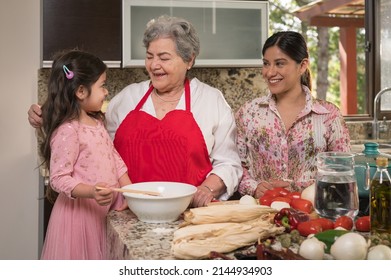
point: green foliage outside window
(281, 18)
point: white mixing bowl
(173, 201)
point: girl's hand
(263, 186)
(103, 194)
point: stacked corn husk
(222, 228)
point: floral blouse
(269, 151)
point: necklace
(164, 100)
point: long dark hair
(62, 103)
(294, 45)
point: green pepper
(328, 237)
(290, 218)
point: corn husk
(197, 241)
(235, 213)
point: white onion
(312, 249)
(379, 252)
(350, 246)
(309, 193)
(247, 199)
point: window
(364, 52)
(340, 53)
(379, 53)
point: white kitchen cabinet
(231, 33)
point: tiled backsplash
(237, 84)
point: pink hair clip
(68, 73)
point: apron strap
(187, 96)
(145, 97)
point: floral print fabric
(268, 151)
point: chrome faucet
(375, 124)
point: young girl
(82, 161)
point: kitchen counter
(128, 238)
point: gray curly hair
(179, 30)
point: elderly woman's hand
(202, 197)
(35, 116)
(263, 186)
(210, 189)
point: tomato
(281, 191)
(282, 198)
(271, 193)
(266, 200)
(301, 204)
(309, 227)
(345, 222)
(293, 195)
(363, 223)
(326, 224)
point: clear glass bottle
(380, 208)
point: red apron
(171, 149)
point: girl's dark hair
(292, 44)
(62, 103)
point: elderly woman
(170, 128)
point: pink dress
(77, 227)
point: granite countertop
(129, 238)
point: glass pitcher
(336, 192)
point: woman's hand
(210, 189)
(202, 197)
(263, 186)
(35, 116)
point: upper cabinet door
(89, 25)
(231, 32)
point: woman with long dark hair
(279, 135)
